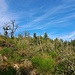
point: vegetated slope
(36, 56)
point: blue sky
(56, 17)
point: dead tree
(6, 28)
(13, 28)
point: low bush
(7, 70)
(66, 67)
(14, 58)
(6, 51)
(43, 64)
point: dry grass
(1, 48)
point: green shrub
(43, 64)
(7, 71)
(14, 57)
(1, 43)
(6, 51)
(53, 54)
(66, 67)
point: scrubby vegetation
(37, 55)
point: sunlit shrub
(43, 64)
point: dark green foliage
(45, 35)
(34, 36)
(66, 67)
(24, 71)
(26, 34)
(73, 42)
(7, 71)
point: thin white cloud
(44, 16)
(69, 36)
(53, 13)
(55, 10)
(64, 19)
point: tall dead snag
(13, 28)
(10, 28)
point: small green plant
(43, 64)
(6, 51)
(14, 58)
(53, 54)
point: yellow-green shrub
(43, 64)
